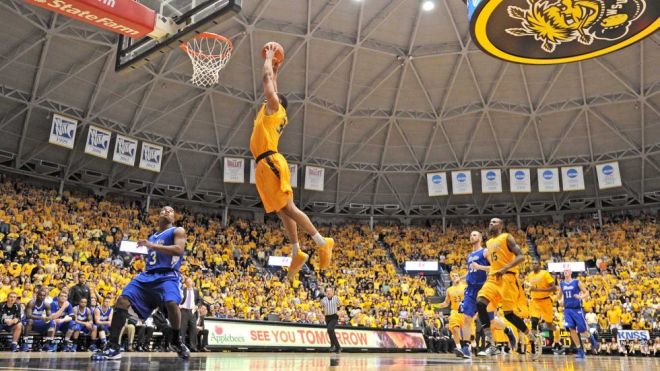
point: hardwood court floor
(318, 361)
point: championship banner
(253, 171)
(520, 180)
(461, 182)
(234, 170)
(548, 179)
(293, 169)
(562, 266)
(430, 266)
(625, 335)
(248, 334)
(491, 181)
(63, 131)
(151, 157)
(314, 178)
(608, 175)
(572, 178)
(125, 150)
(437, 184)
(98, 142)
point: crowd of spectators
(70, 243)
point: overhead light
(428, 5)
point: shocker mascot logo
(560, 31)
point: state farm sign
(126, 17)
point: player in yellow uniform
(272, 173)
(453, 299)
(502, 286)
(541, 287)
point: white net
(209, 54)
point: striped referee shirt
(330, 306)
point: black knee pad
(516, 321)
(482, 309)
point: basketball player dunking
(272, 172)
(158, 286)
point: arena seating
(49, 240)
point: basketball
(279, 52)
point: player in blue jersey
(82, 321)
(62, 313)
(477, 274)
(573, 292)
(159, 286)
(102, 321)
(38, 319)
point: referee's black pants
(331, 322)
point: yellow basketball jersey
(455, 294)
(540, 280)
(267, 130)
(499, 252)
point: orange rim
(208, 35)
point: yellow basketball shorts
(542, 309)
(456, 320)
(504, 291)
(273, 179)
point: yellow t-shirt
(540, 280)
(499, 253)
(455, 294)
(267, 130)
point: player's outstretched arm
(175, 250)
(270, 82)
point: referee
(330, 304)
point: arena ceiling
(381, 92)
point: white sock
(294, 249)
(318, 239)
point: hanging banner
(437, 184)
(234, 170)
(608, 175)
(151, 157)
(491, 181)
(520, 180)
(314, 178)
(572, 178)
(125, 150)
(548, 179)
(560, 267)
(63, 131)
(461, 182)
(98, 142)
(293, 169)
(253, 171)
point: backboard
(191, 18)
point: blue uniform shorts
(149, 291)
(81, 328)
(65, 326)
(469, 304)
(574, 319)
(41, 326)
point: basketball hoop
(209, 54)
